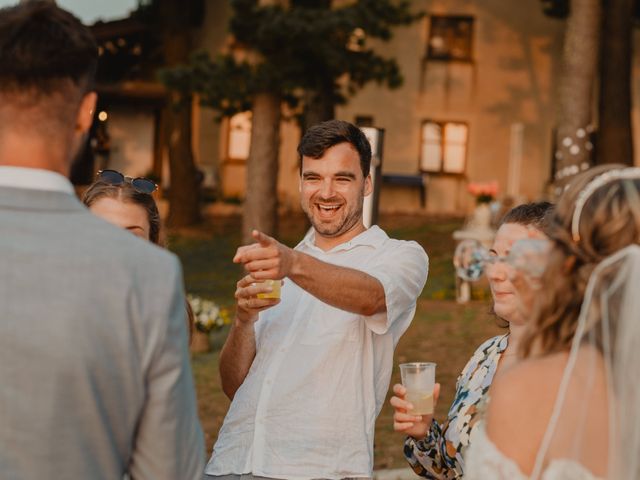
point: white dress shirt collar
(372, 237)
(34, 179)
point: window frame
(443, 124)
(429, 54)
(227, 153)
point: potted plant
(207, 316)
(484, 193)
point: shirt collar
(372, 237)
(34, 179)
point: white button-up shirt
(308, 405)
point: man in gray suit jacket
(95, 381)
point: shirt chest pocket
(328, 324)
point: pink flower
(483, 191)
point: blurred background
(198, 94)
(472, 106)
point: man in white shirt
(307, 375)
(95, 381)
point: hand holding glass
(275, 288)
(419, 380)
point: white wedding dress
(484, 461)
(607, 336)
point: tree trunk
(615, 144)
(184, 207)
(580, 61)
(318, 107)
(261, 201)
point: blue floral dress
(439, 454)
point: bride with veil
(570, 409)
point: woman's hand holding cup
(404, 421)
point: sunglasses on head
(140, 184)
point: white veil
(596, 418)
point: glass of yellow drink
(275, 286)
(419, 380)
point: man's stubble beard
(350, 221)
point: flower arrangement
(485, 192)
(207, 315)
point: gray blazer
(95, 378)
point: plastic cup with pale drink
(275, 288)
(419, 379)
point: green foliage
(222, 83)
(308, 46)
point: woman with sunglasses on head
(125, 202)
(436, 450)
(571, 408)
(128, 203)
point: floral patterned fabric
(439, 454)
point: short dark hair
(42, 47)
(536, 214)
(319, 138)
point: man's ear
(84, 119)
(368, 185)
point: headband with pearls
(592, 186)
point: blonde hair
(609, 221)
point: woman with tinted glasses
(435, 450)
(570, 409)
(128, 203)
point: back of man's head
(48, 61)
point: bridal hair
(602, 205)
(595, 184)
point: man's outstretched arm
(340, 287)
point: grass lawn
(442, 331)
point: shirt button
(268, 382)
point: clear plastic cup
(419, 378)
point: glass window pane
(431, 160)
(454, 158)
(239, 136)
(456, 133)
(431, 132)
(450, 38)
